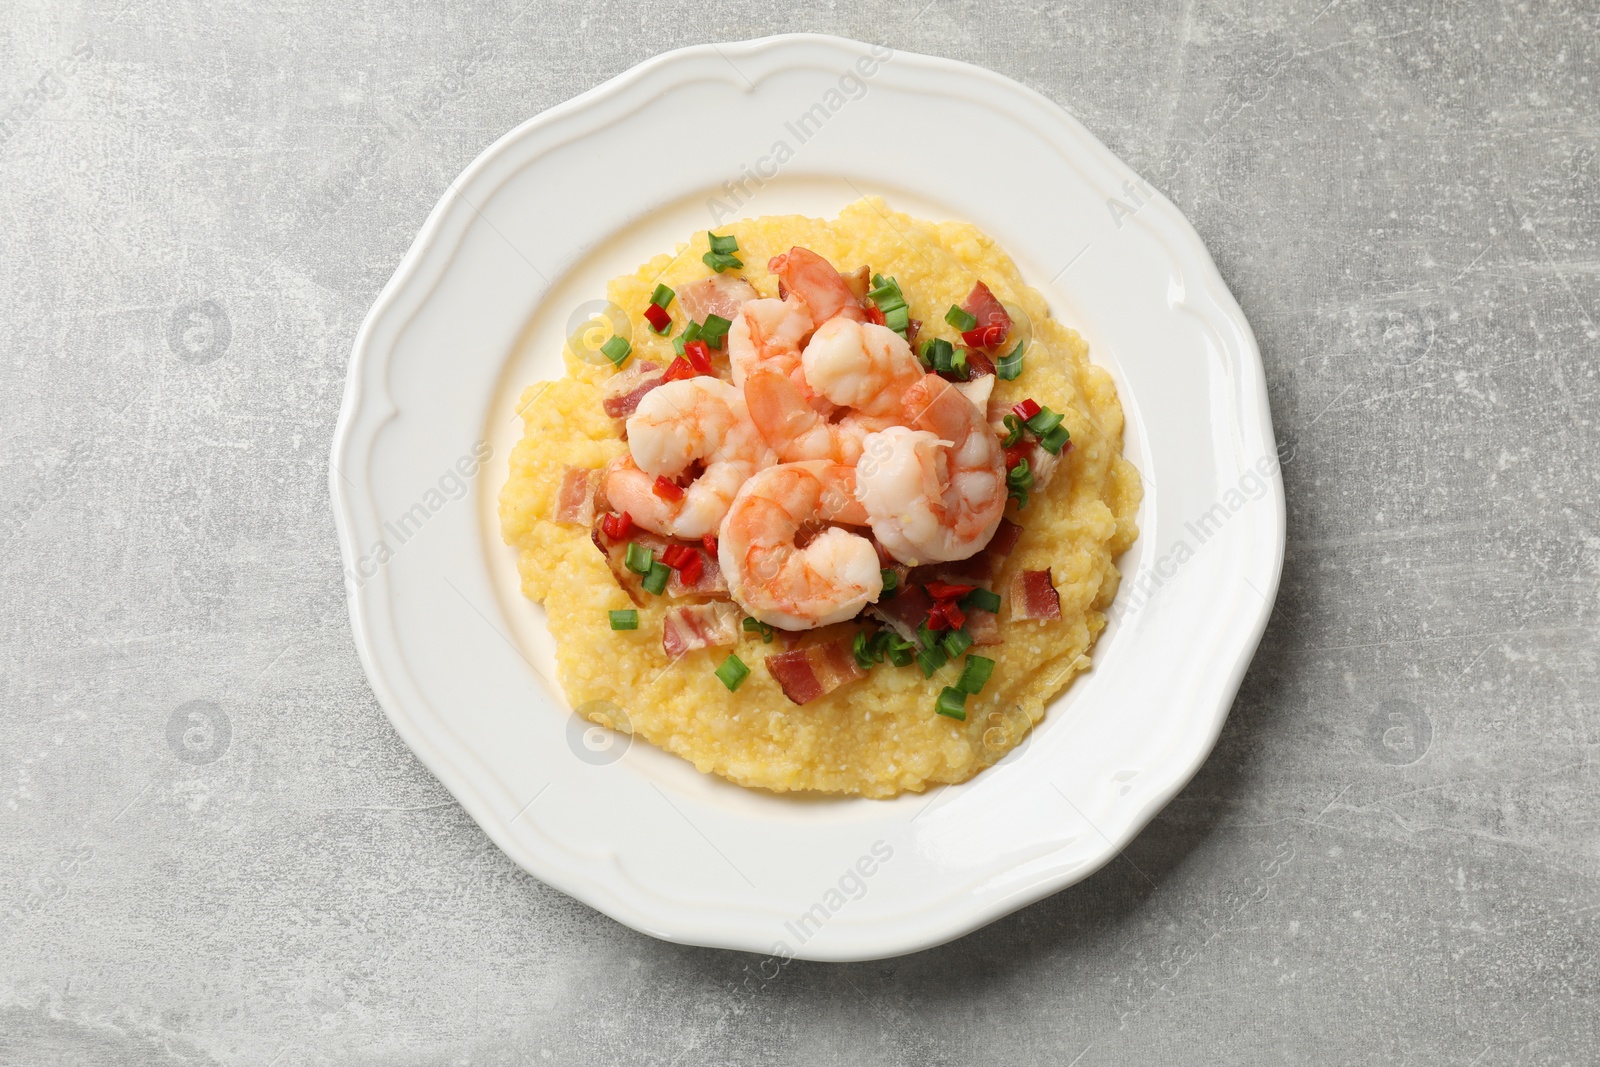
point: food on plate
(839, 510)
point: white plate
(478, 308)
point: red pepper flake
(658, 317)
(946, 615)
(679, 370)
(699, 356)
(947, 591)
(875, 315)
(692, 569)
(1027, 409)
(675, 555)
(617, 527)
(710, 541)
(667, 489)
(1017, 453)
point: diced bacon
(575, 500)
(699, 626)
(705, 580)
(982, 305)
(1034, 597)
(860, 281)
(624, 390)
(721, 294)
(1043, 464)
(616, 553)
(983, 627)
(905, 611)
(1004, 539)
(978, 364)
(978, 390)
(912, 329)
(808, 673)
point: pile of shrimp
(830, 429)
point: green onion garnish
(1019, 480)
(1055, 440)
(624, 620)
(732, 673)
(661, 297)
(930, 659)
(1044, 422)
(898, 320)
(756, 626)
(1010, 365)
(891, 582)
(656, 581)
(721, 263)
(616, 349)
(722, 245)
(981, 600)
(862, 647)
(953, 703)
(690, 333)
(956, 642)
(639, 558)
(975, 675)
(958, 363)
(714, 329)
(885, 293)
(961, 320)
(937, 353)
(901, 652)
(1013, 431)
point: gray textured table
(214, 848)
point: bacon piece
(913, 328)
(1004, 539)
(575, 500)
(624, 390)
(983, 627)
(860, 281)
(808, 673)
(1034, 597)
(1043, 463)
(905, 611)
(978, 364)
(699, 626)
(721, 294)
(993, 322)
(706, 581)
(978, 390)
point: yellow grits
(880, 735)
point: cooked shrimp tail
(815, 281)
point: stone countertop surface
(215, 850)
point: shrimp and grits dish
(839, 510)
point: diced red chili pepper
(699, 356)
(874, 314)
(1027, 409)
(1017, 453)
(679, 370)
(936, 619)
(948, 590)
(710, 542)
(675, 555)
(667, 489)
(946, 615)
(692, 568)
(658, 317)
(984, 336)
(617, 527)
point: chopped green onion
(720, 263)
(953, 703)
(722, 245)
(616, 349)
(690, 333)
(661, 297)
(1010, 365)
(1013, 431)
(1054, 441)
(1044, 422)
(891, 582)
(975, 675)
(885, 293)
(656, 581)
(961, 320)
(624, 620)
(931, 659)
(638, 558)
(937, 353)
(958, 363)
(756, 626)
(1019, 480)
(732, 673)
(981, 600)
(863, 651)
(898, 320)
(714, 329)
(901, 652)
(956, 642)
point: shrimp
(774, 579)
(768, 333)
(795, 429)
(815, 281)
(696, 420)
(934, 489)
